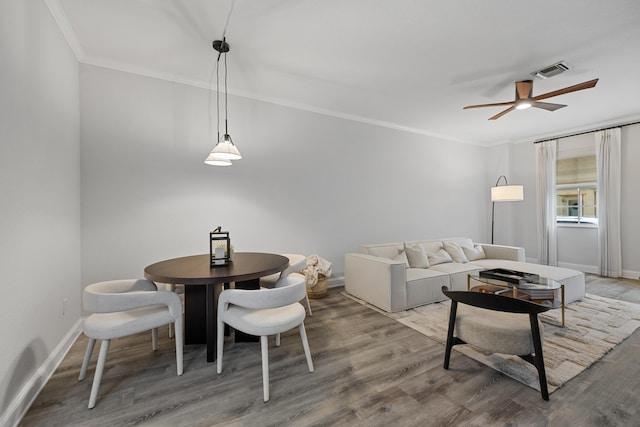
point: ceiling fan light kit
(522, 104)
(525, 99)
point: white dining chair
(125, 307)
(264, 312)
(297, 263)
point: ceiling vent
(552, 70)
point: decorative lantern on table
(219, 247)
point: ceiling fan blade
(497, 116)
(579, 86)
(524, 89)
(547, 105)
(498, 104)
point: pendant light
(225, 150)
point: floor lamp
(504, 193)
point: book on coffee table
(501, 290)
(510, 276)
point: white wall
(578, 248)
(40, 193)
(308, 183)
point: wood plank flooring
(370, 371)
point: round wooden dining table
(203, 284)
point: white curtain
(608, 175)
(546, 202)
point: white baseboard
(335, 282)
(24, 399)
(593, 269)
(631, 274)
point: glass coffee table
(540, 290)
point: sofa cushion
(416, 255)
(456, 267)
(458, 273)
(431, 246)
(474, 253)
(461, 241)
(440, 257)
(417, 274)
(455, 251)
(424, 286)
(402, 257)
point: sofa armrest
(512, 253)
(378, 281)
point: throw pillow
(431, 246)
(456, 252)
(416, 256)
(440, 257)
(474, 253)
(402, 257)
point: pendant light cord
(213, 72)
(216, 70)
(224, 37)
(224, 33)
(226, 131)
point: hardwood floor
(369, 371)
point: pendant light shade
(225, 149)
(213, 160)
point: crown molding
(65, 27)
(155, 74)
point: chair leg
(308, 304)
(87, 359)
(179, 349)
(102, 358)
(171, 288)
(538, 359)
(264, 347)
(450, 338)
(305, 344)
(154, 339)
(278, 340)
(220, 344)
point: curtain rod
(585, 132)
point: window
(576, 190)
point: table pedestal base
(200, 309)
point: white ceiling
(408, 64)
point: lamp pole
(493, 204)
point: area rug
(593, 327)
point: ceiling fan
(524, 90)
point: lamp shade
(225, 149)
(507, 193)
(213, 160)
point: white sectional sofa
(383, 274)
